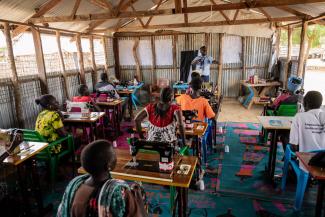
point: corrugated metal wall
(257, 55)
(256, 58)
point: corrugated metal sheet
(231, 76)
(257, 54)
(168, 73)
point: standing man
(203, 62)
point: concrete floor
(233, 111)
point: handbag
(318, 160)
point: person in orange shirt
(194, 101)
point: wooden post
(277, 43)
(301, 59)
(243, 56)
(64, 73)
(81, 60)
(40, 60)
(286, 70)
(153, 68)
(104, 42)
(93, 62)
(14, 79)
(136, 58)
(220, 64)
(175, 38)
(116, 57)
(206, 42)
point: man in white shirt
(203, 62)
(308, 128)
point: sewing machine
(10, 139)
(189, 115)
(165, 150)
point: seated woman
(49, 121)
(97, 194)
(84, 96)
(194, 101)
(163, 118)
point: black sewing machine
(189, 115)
(165, 150)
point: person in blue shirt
(202, 63)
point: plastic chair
(46, 155)
(302, 176)
(284, 110)
(135, 99)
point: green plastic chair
(46, 155)
(284, 110)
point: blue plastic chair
(135, 99)
(302, 176)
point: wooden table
(115, 106)
(27, 151)
(128, 93)
(284, 124)
(256, 91)
(25, 158)
(181, 182)
(318, 174)
(197, 134)
(84, 122)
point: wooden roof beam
(185, 14)
(95, 24)
(294, 12)
(40, 12)
(178, 6)
(156, 8)
(105, 4)
(138, 18)
(265, 13)
(221, 12)
(200, 24)
(197, 9)
(75, 8)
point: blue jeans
(205, 78)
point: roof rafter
(138, 18)
(156, 8)
(221, 12)
(185, 14)
(105, 4)
(197, 9)
(40, 12)
(95, 24)
(265, 13)
(75, 8)
(200, 24)
(294, 12)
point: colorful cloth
(81, 99)
(200, 104)
(110, 200)
(162, 128)
(47, 123)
